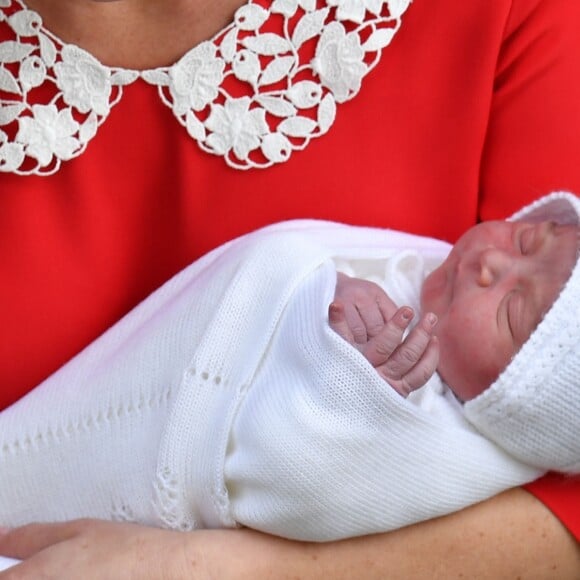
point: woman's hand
(509, 536)
(95, 549)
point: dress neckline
(259, 90)
(38, 20)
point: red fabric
(560, 494)
(473, 111)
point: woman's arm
(510, 536)
(561, 494)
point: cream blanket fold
(225, 399)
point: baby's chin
(464, 385)
(461, 392)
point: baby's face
(491, 292)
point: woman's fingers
(95, 549)
(27, 540)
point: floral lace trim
(53, 96)
(258, 91)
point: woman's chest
(148, 193)
(135, 34)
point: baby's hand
(366, 308)
(405, 364)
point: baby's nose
(485, 276)
(493, 263)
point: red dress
(472, 111)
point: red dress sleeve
(561, 495)
(533, 137)
(533, 147)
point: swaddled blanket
(225, 399)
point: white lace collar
(249, 95)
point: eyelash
(510, 312)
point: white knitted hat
(533, 409)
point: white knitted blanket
(225, 399)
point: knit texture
(225, 399)
(533, 409)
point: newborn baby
(227, 399)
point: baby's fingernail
(431, 319)
(407, 314)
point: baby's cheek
(461, 362)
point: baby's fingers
(415, 359)
(338, 322)
(382, 346)
(421, 372)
